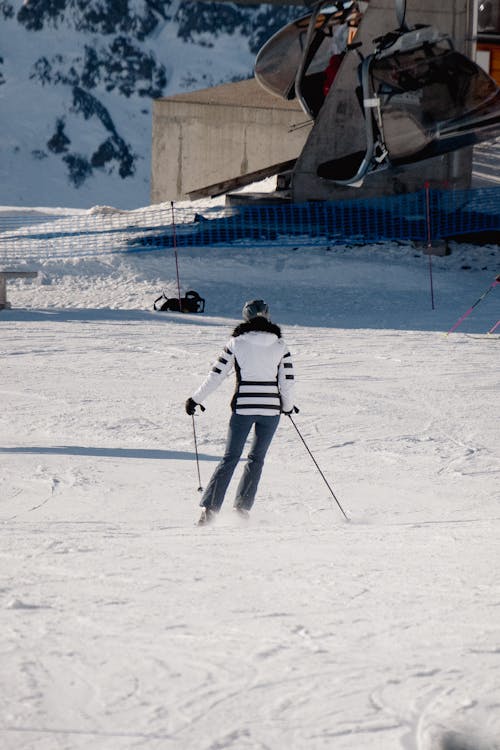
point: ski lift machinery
(291, 63)
(403, 97)
(419, 97)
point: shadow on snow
(82, 450)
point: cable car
(418, 95)
(420, 98)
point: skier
(264, 389)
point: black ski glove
(295, 410)
(191, 406)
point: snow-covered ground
(126, 626)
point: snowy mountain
(77, 79)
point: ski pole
(200, 488)
(494, 327)
(318, 468)
(479, 299)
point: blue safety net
(428, 216)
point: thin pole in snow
(176, 258)
(200, 488)
(429, 239)
(479, 299)
(432, 284)
(317, 466)
(494, 327)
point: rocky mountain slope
(77, 78)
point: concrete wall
(220, 133)
(339, 129)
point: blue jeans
(239, 428)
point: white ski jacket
(263, 367)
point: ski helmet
(255, 308)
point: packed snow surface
(126, 626)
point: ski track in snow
(125, 626)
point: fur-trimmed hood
(258, 323)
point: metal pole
(479, 299)
(316, 464)
(176, 258)
(200, 488)
(429, 239)
(432, 284)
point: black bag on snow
(190, 303)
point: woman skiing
(264, 390)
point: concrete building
(210, 138)
(211, 141)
